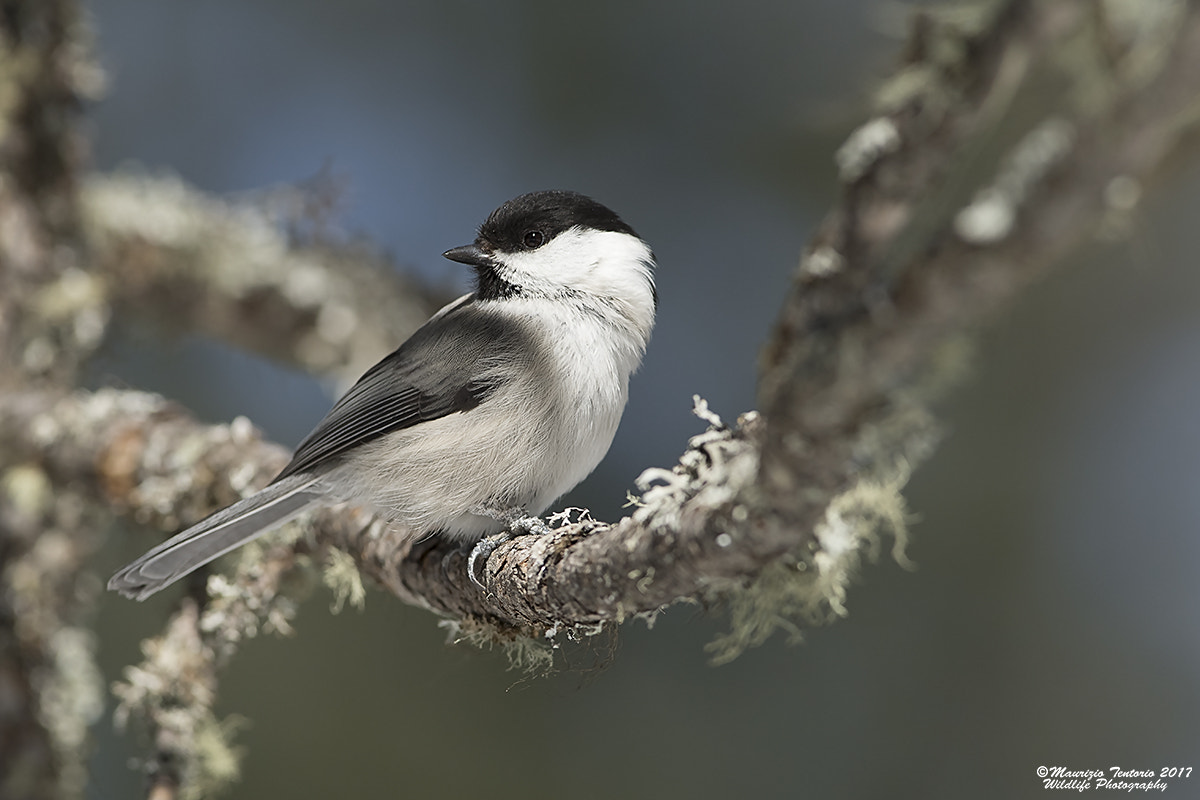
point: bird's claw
(515, 519)
(483, 549)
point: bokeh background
(1052, 615)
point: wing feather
(450, 365)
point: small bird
(499, 404)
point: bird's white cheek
(605, 264)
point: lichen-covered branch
(1011, 133)
(169, 254)
(147, 458)
(50, 689)
(139, 454)
(173, 691)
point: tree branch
(186, 261)
(148, 459)
(1002, 142)
(50, 689)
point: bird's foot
(483, 550)
(515, 518)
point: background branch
(50, 689)
(241, 272)
(966, 186)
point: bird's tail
(215, 536)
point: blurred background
(1052, 615)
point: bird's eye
(533, 239)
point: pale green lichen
(794, 592)
(532, 657)
(71, 696)
(27, 490)
(810, 588)
(215, 762)
(342, 577)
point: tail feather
(214, 536)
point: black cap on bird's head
(527, 223)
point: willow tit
(499, 404)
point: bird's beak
(469, 254)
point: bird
(500, 403)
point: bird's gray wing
(450, 365)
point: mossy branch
(263, 273)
